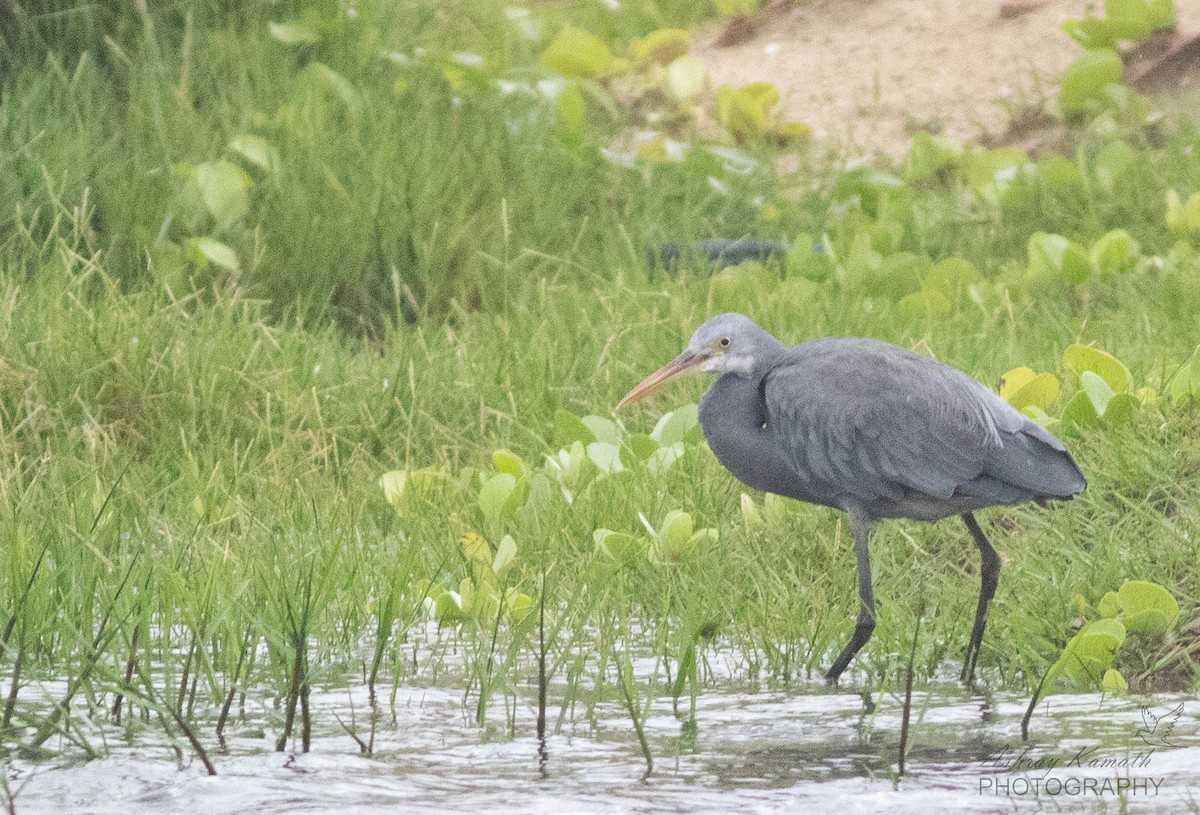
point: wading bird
(870, 429)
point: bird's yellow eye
(724, 342)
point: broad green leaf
(1108, 605)
(1076, 265)
(665, 552)
(572, 110)
(1060, 174)
(257, 150)
(673, 426)
(494, 495)
(1185, 382)
(1079, 413)
(1055, 256)
(619, 546)
(663, 46)
(570, 428)
(448, 607)
(1121, 409)
(1162, 13)
(1090, 32)
(1081, 358)
(952, 277)
(660, 148)
(991, 172)
(749, 111)
(930, 156)
(928, 305)
(790, 134)
(322, 75)
(1098, 391)
(293, 33)
(1129, 20)
(509, 462)
(736, 8)
(1084, 79)
(225, 190)
(1115, 252)
(1183, 218)
(664, 457)
(1090, 652)
(606, 456)
(506, 555)
(685, 79)
(641, 445)
(898, 275)
(750, 514)
(203, 251)
(1113, 163)
(570, 465)
(1014, 380)
(676, 528)
(1040, 391)
(1147, 607)
(604, 430)
(868, 185)
(401, 487)
(1113, 682)
(577, 54)
(476, 549)
(1038, 416)
(519, 604)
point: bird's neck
(733, 415)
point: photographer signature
(1158, 730)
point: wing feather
(873, 423)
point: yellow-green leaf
(662, 46)
(572, 109)
(257, 150)
(203, 251)
(1080, 358)
(1040, 391)
(577, 54)
(506, 554)
(1113, 682)
(293, 33)
(685, 78)
(1014, 380)
(475, 549)
(1147, 607)
(1085, 78)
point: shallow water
(752, 751)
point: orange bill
(687, 362)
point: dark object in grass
(874, 430)
(717, 252)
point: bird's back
(895, 434)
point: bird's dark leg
(989, 576)
(860, 528)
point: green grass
(186, 470)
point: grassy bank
(229, 306)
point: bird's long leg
(860, 528)
(989, 576)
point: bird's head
(724, 344)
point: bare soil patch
(866, 74)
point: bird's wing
(872, 421)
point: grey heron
(871, 429)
